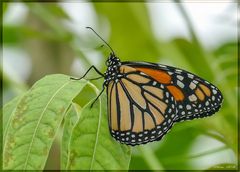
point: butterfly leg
(87, 73)
(97, 97)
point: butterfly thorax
(112, 73)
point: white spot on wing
(192, 98)
(167, 94)
(194, 81)
(214, 91)
(180, 84)
(143, 73)
(192, 85)
(160, 65)
(180, 77)
(207, 103)
(213, 98)
(190, 75)
(188, 107)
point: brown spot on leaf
(71, 159)
(7, 154)
(51, 134)
(62, 110)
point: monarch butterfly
(145, 99)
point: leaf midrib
(98, 129)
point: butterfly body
(112, 73)
(146, 99)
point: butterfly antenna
(101, 39)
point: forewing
(195, 97)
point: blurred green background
(46, 38)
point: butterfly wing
(140, 109)
(195, 97)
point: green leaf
(69, 122)
(46, 14)
(11, 35)
(35, 122)
(134, 15)
(57, 11)
(14, 34)
(150, 157)
(4, 8)
(92, 147)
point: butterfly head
(113, 64)
(113, 60)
